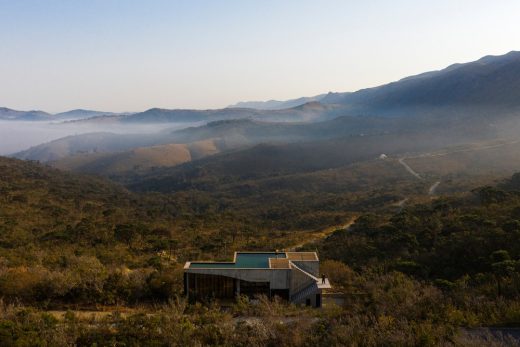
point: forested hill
(471, 242)
(41, 203)
(73, 240)
(46, 208)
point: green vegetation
(68, 239)
(416, 321)
(468, 247)
(73, 247)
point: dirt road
(324, 233)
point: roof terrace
(255, 260)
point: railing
(307, 289)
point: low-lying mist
(16, 136)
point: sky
(129, 55)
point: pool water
(243, 261)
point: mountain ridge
(10, 114)
(276, 104)
(491, 81)
(38, 115)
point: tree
(125, 233)
(502, 266)
(489, 195)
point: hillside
(88, 143)
(237, 133)
(467, 245)
(71, 241)
(15, 115)
(138, 159)
(233, 133)
(9, 114)
(311, 111)
(488, 86)
(471, 102)
(37, 200)
(276, 104)
(64, 213)
(266, 160)
(80, 114)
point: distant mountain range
(311, 111)
(476, 101)
(277, 105)
(82, 114)
(488, 85)
(9, 114)
(234, 133)
(14, 115)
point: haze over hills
(272, 160)
(463, 103)
(81, 114)
(14, 115)
(234, 133)
(276, 104)
(87, 143)
(311, 111)
(9, 114)
(138, 159)
(488, 84)
(319, 155)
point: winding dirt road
(322, 234)
(432, 189)
(409, 169)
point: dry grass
(141, 158)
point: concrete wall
(312, 267)
(292, 279)
(299, 280)
(313, 300)
(278, 278)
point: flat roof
(282, 263)
(243, 260)
(256, 260)
(302, 256)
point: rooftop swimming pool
(243, 261)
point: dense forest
(465, 246)
(84, 261)
(68, 238)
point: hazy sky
(125, 55)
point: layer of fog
(17, 136)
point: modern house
(293, 276)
